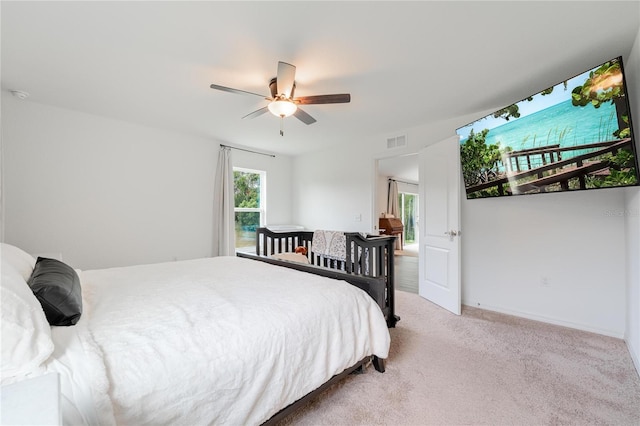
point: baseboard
(547, 320)
(634, 356)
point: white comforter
(222, 340)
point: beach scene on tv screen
(572, 136)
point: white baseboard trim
(549, 320)
(634, 356)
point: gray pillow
(57, 287)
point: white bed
(220, 340)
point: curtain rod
(403, 181)
(248, 150)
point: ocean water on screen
(562, 124)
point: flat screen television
(576, 135)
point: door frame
(375, 214)
(375, 200)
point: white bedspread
(222, 340)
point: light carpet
(484, 368)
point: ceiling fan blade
(256, 113)
(242, 92)
(304, 117)
(286, 77)
(342, 98)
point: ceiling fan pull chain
(282, 125)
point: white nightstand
(33, 401)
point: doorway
(404, 170)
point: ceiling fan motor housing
(273, 88)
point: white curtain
(392, 206)
(392, 199)
(224, 239)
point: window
(250, 204)
(408, 204)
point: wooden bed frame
(290, 409)
(368, 266)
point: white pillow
(26, 334)
(294, 257)
(21, 261)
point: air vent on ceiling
(397, 142)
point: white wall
(632, 217)
(573, 240)
(332, 189)
(109, 193)
(381, 189)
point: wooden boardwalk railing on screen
(562, 171)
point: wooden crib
(369, 262)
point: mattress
(222, 340)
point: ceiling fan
(282, 103)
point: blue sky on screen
(539, 103)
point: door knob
(452, 234)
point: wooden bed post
(390, 276)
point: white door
(439, 263)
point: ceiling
(403, 168)
(405, 64)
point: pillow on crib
(57, 287)
(19, 259)
(294, 257)
(26, 334)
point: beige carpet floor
(484, 368)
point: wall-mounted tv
(576, 135)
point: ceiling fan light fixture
(282, 108)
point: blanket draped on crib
(330, 244)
